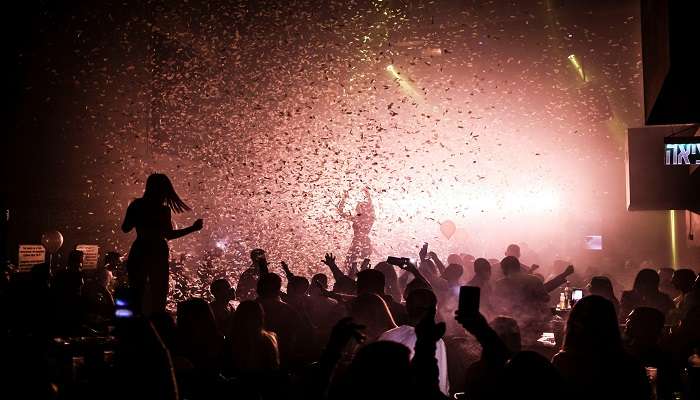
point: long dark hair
(592, 328)
(161, 190)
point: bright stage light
(577, 66)
(405, 85)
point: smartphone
(123, 303)
(469, 299)
(576, 294)
(397, 261)
(593, 242)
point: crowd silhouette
(373, 331)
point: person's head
(370, 281)
(104, 277)
(298, 286)
(513, 250)
(257, 256)
(222, 291)
(371, 311)
(318, 281)
(601, 286)
(454, 259)
(159, 189)
(195, 322)
(249, 317)
(683, 279)
(269, 285)
(665, 274)
(482, 268)
(419, 303)
(413, 285)
(379, 371)
(453, 272)
(529, 375)
(508, 330)
(644, 325)
(647, 281)
(510, 265)
(592, 328)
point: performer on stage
(148, 257)
(362, 220)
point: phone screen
(593, 242)
(577, 294)
(469, 299)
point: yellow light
(405, 85)
(672, 227)
(578, 66)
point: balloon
(448, 228)
(52, 241)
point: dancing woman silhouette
(362, 220)
(148, 257)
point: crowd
(382, 331)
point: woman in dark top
(593, 362)
(645, 293)
(148, 257)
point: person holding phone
(419, 303)
(150, 215)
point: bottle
(567, 296)
(562, 301)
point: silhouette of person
(362, 220)
(148, 257)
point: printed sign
(30, 255)
(91, 254)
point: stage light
(672, 229)
(578, 66)
(405, 85)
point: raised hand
(428, 330)
(473, 323)
(569, 270)
(432, 255)
(329, 260)
(198, 225)
(422, 254)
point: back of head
(453, 272)
(419, 303)
(160, 190)
(248, 318)
(482, 267)
(298, 286)
(320, 280)
(256, 254)
(194, 318)
(529, 375)
(508, 330)
(221, 289)
(370, 281)
(379, 370)
(645, 324)
(592, 328)
(683, 279)
(513, 250)
(601, 286)
(370, 310)
(647, 281)
(389, 272)
(510, 265)
(454, 259)
(414, 285)
(269, 285)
